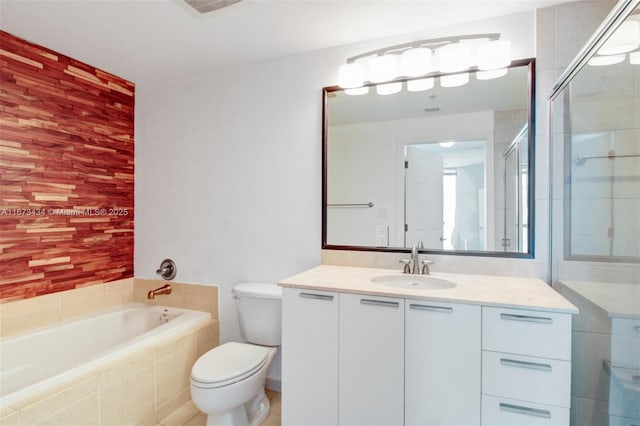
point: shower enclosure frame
(619, 13)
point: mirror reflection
(448, 166)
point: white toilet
(227, 383)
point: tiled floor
(189, 415)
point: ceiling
(140, 39)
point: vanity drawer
(510, 412)
(625, 342)
(533, 333)
(540, 380)
(625, 327)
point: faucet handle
(425, 266)
(407, 265)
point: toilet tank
(260, 312)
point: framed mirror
(448, 166)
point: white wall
(228, 176)
(228, 165)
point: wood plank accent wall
(66, 172)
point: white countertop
(618, 300)
(512, 292)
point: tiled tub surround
(28, 314)
(141, 388)
(507, 339)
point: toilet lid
(261, 290)
(229, 363)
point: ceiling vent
(206, 6)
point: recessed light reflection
(600, 61)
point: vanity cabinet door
(309, 357)
(371, 360)
(443, 359)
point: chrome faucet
(415, 255)
(165, 289)
(412, 266)
(425, 266)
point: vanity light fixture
(454, 57)
(351, 76)
(416, 61)
(384, 68)
(419, 58)
(494, 55)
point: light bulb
(388, 88)
(454, 57)
(454, 80)
(415, 62)
(351, 76)
(448, 144)
(494, 55)
(420, 84)
(383, 68)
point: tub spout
(165, 289)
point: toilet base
(251, 413)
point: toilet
(227, 383)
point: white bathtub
(45, 357)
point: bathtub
(48, 356)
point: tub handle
(167, 269)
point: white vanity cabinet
(310, 357)
(442, 363)
(355, 353)
(624, 372)
(526, 367)
(371, 383)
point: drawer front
(625, 342)
(541, 380)
(625, 327)
(525, 332)
(510, 412)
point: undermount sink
(418, 282)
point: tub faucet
(165, 289)
(415, 254)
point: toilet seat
(227, 364)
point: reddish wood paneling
(66, 172)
